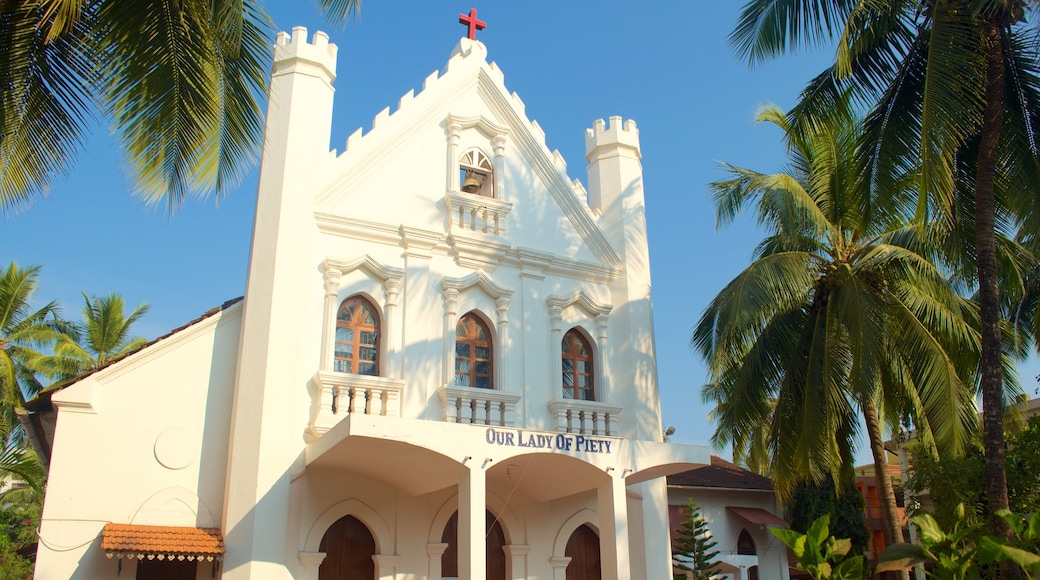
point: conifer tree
(692, 549)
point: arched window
(577, 367)
(746, 544)
(357, 337)
(475, 173)
(473, 353)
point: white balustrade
(584, 417)
(472, 406)
(477, 213)
(338, 395)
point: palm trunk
(889, 516)
(989, 292)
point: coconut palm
(181, 83)
(23, 330)
(838, 316)
(954, 90)
(103, 336)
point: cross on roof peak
(472, 23)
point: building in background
(739, 506)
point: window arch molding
(366, 277)
(578, 310)
(477, 293)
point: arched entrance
(583, 550)
(349, 548)
(496, 556)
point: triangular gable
(471, 95)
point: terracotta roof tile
(721, 474)
(130, 540)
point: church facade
(443, 365)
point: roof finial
(472, 23)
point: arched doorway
(583, 550)
(496, 556)
(349, 548)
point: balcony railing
(584, 417)
(338, 395)
(477, 213)
(472, 406)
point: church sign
(548, 441)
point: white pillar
(613, 528)
(454, 132)
(501, 357)
(328, 327)
(556, 352)
(559, 567)
(516, 561)
(386, 566)
(499, 144)
(602, 371)
(435, 552)
(451, 315)
(393, 337)
(472, 521)
(311, 562)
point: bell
(471, 184)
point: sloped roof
(721, 474)
(163, 542)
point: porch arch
(351, 507)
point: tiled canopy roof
(162, 542)
(721, 474)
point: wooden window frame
(356, 345)
(575, 339)
(471, 323)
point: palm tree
(103, 336)
(181, 82)
(22, 331)
(839, 315)
(954, 88)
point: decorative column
(613, 527)
(499, 145)
(516, 561)
(311, 561)
(501, 353)
(559, 567)
(602, 373)
(454, 133)
(451, 315)
(436, 553)
(556, 352)
(472, 519)
(392, 289)
(328, 326)
(386, 566)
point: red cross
(472, 22)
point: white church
(443, 365)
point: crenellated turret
(272, 357)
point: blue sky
(666, 65)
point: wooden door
(349, 548)
(496, 556)
(166, 569)
(583, 550)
